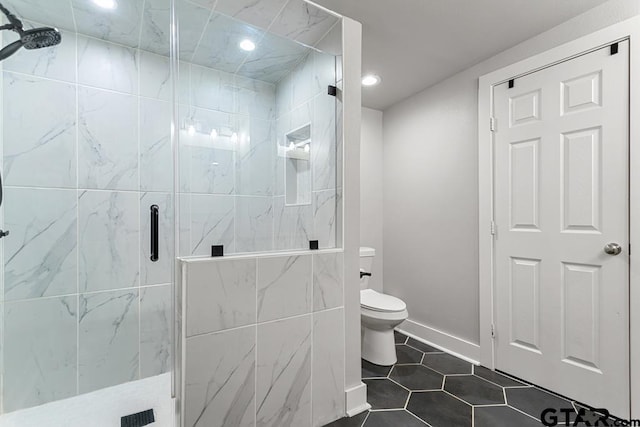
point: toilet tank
(366, 265)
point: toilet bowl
(379, 314)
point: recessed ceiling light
(106, 4)
(370, 80)
(247, 45)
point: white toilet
(380, 313)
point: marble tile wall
(86, 143)
(301, 99)
(206, 30)
(86, 150)
(232, 184)
(269, 350)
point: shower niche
(296, 151)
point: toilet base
(378, 346)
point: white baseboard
(441, 340)
(356, 400)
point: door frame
(629, 29)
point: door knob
(612, 249)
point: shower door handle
(154, 232)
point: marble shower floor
(427, 387)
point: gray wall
(371, 183)
(430, 184)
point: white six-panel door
(561, 195)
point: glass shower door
(87, 271)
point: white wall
(371, 183)
(430, 185)
(349, 136)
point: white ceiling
(413, 44)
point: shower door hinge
(493, 228)
(492, 124)
(493, 331)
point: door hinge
(613, 49)
(492, 124)
(629, 249)
(493, 331)
(493, 228)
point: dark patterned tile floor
(428, 387)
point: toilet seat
(375, 301)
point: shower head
(32, 39)
(35, 38)
(38, 38)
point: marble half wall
(263, 340)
